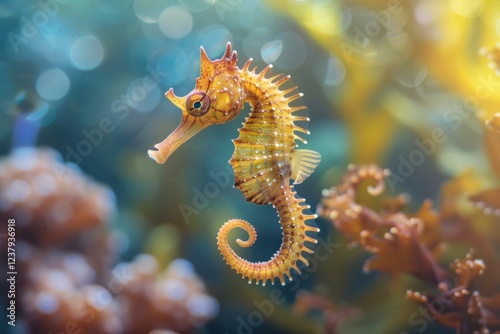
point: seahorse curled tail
(295, 221)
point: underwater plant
(412, 243)
(264, 160)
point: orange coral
(460, 306)
(400, 243)
(411, 243)
(339, 203)
(64, 251)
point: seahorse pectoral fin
(304, 162)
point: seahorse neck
(260, 92)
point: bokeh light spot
(149, 11)
(214, 39)
(329, 18)
(467, 8)
(169, 65)
(86, 53)
(175, 22)
(52, 84)
(271, 51)
(294, 51)
(335, 72)
(143, 94)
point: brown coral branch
(458, 305)
(402, 243)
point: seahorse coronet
(265, 158)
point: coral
(174, 298)
(51, 199)
(458, 305)
(400, 243)
(488, 201)
(65, 251)
(409, 243)
(339, 203)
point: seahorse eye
(198, 104)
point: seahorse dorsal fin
(303, 164)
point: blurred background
(108, 241)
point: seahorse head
(217, 98)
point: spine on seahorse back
(263, 163)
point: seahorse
(265, 159)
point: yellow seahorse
(264, 160)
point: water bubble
(271, 51)
(335, 72)
(52, 84)
(214, 39)
(169, 65)
(149, 11)
(175, 22)
(86, 53)
(144, 94)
